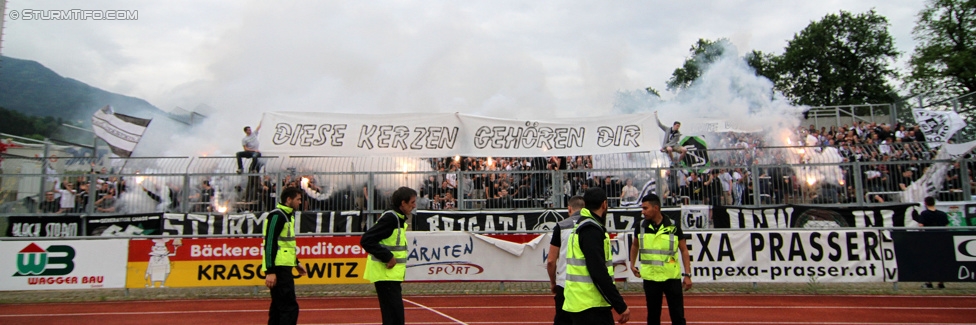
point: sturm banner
(802, 216)
(250, 224)
(938, 127)
(691, 217)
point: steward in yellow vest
(281, 256)
(657, 242)
(590, 290)
(386, 244)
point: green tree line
(849, 59)
(35, 127)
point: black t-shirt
(929, 218)
(557, 239)
(652, 229)
(695, 189)
(50, 206)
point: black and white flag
(121, 132)
(938, 126)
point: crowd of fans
(73, 194)
(889, 158)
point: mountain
(32, 89)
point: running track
(508, 309)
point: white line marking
(436, 312)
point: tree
(703, 53)
(18, 124)
(706, 52)
(944, 61)
(651, 91)
(764, 64)
(843, 59)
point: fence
(777, 175)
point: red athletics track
(508, 309)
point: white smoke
(730, 91)
(727, 90)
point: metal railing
(856, 183)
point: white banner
(56, 265)
(447, 135)
(938, 126)
(462, 256)
(957, 150)
(121, 132)
(792, 256)
(930, 182)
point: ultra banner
(447, 135)
(124, 225)
(45, 226)
(792, 256)
(250, 224)
(801, 216)
(691, 217)
(214, 262)
(56, 265)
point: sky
(500, 58)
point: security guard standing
(280, 256)
(386, 243)
(590, 291)
(556, 259)
(657, 241)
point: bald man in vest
(556, 260)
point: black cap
(594, 197)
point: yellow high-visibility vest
(287, 254)
(397, 244)
(659, 254)
(581, 293)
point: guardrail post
(92, 193)
(185, 195)
(556, 196)
(460, 190)
(858, 187)
(659, 182)
(371, 199)
(967, 194)
(756, 199)
(44, 166)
